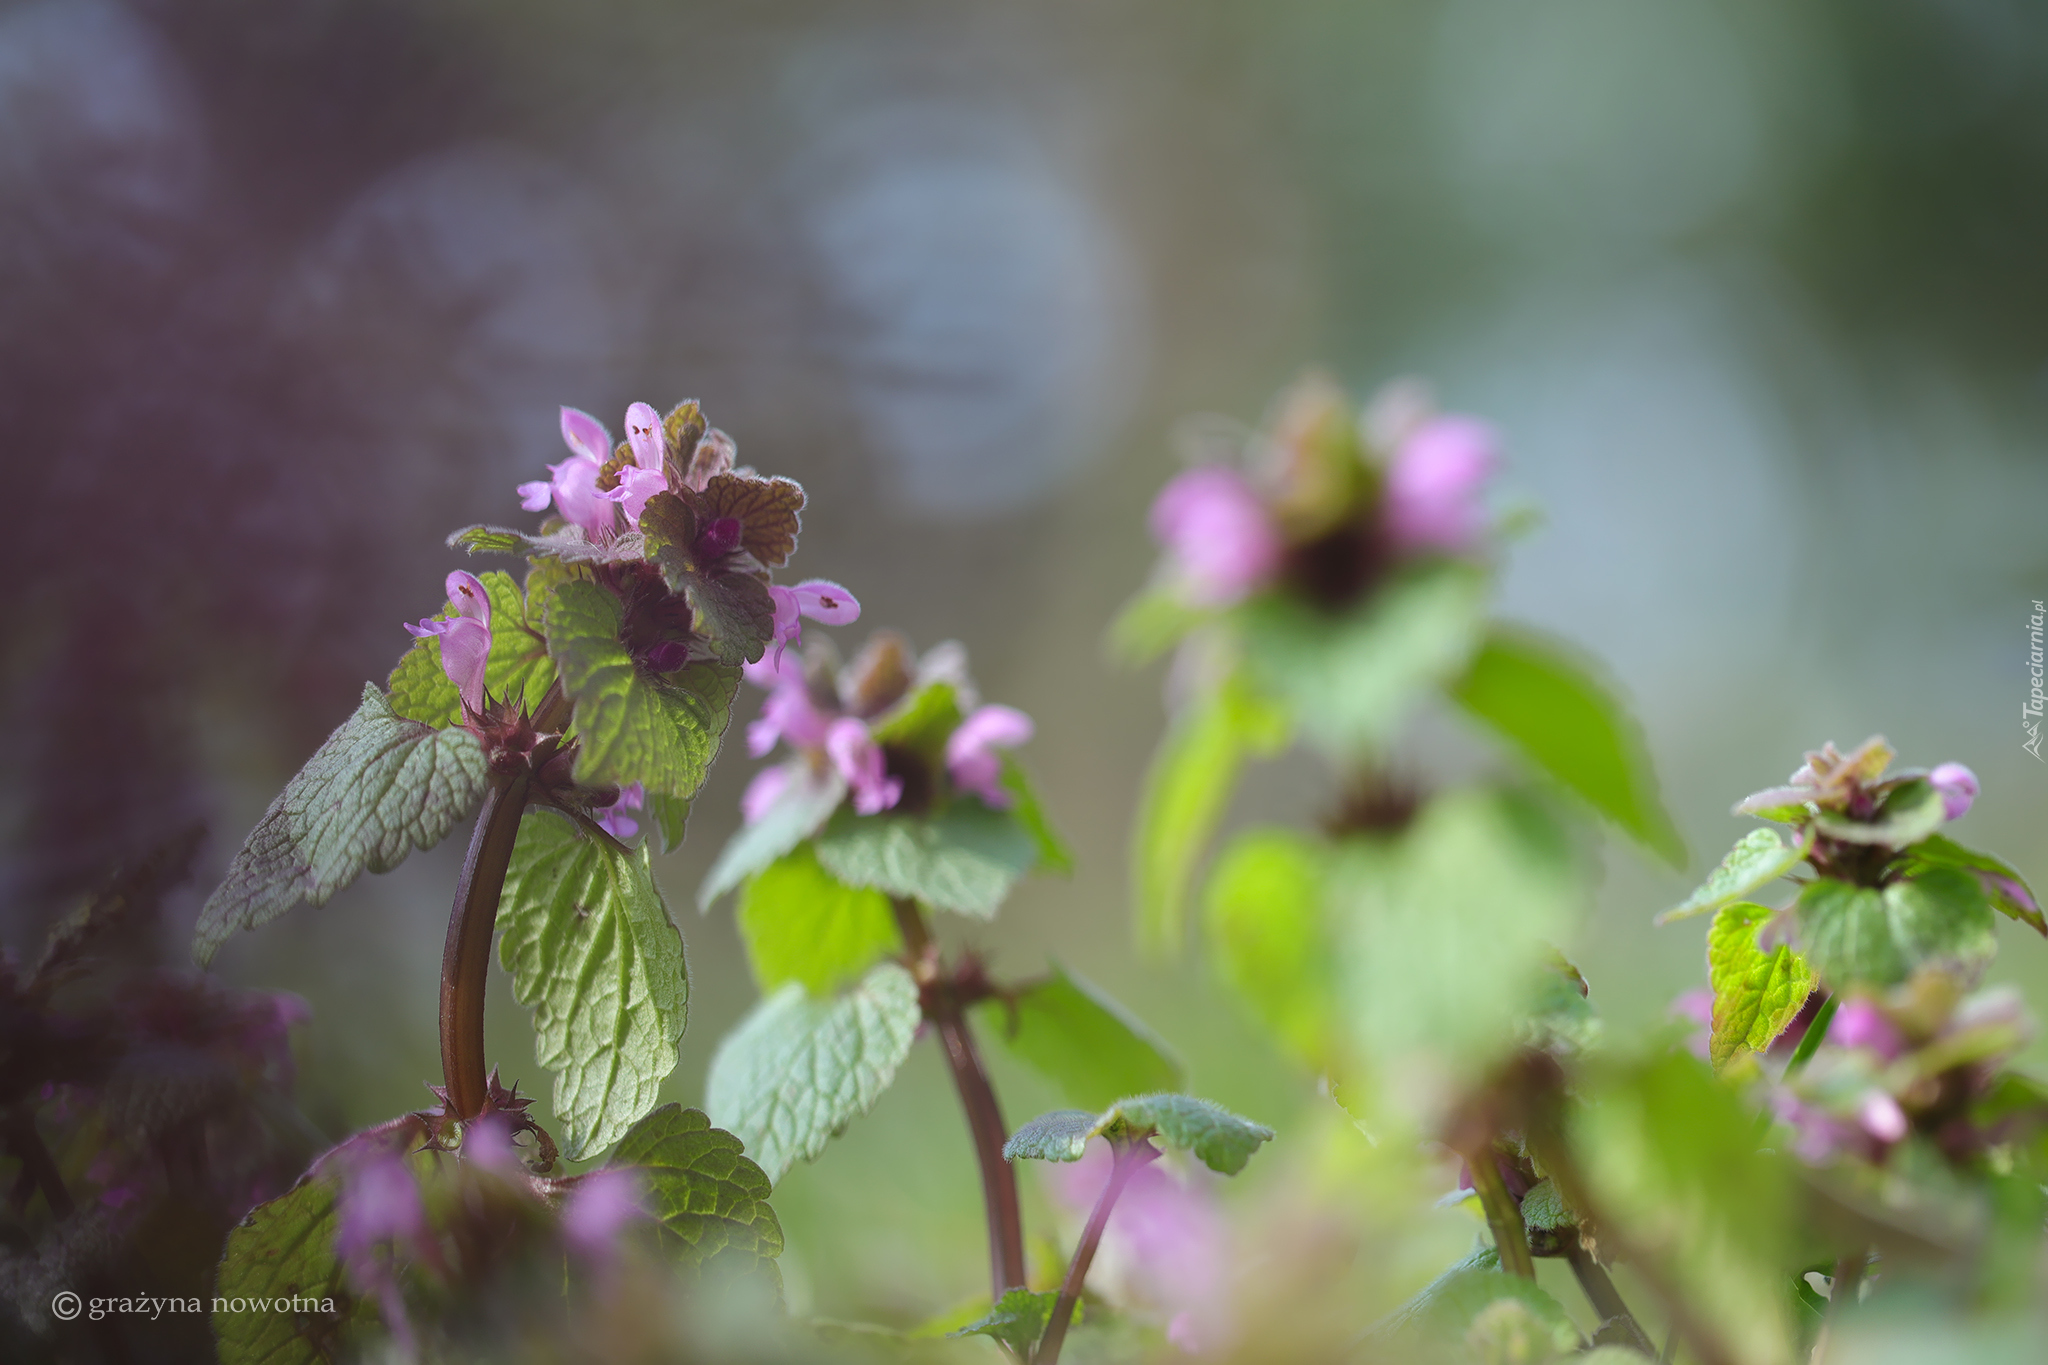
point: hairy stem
(984, 1115)
(1841, 1297)
(1129, 1161)
(466, 956)
(1605, 1298)
(1503, 1214)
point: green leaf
(796, 1071)
(1447, 1310)
(1053, 854)
(922, 721)
(634, 726)
(566, 543)
(1670, 1155)
(380, 787)
(1186, 790)
(1757, 995)
(1150, 624)
(592, 951)
(1218, 1138)
(1544, 1209)
(1911, 811)
(666, 816)
(731, 611)
(2009, 891)
(1061, 1135)
(1089, 1046)
(964, 859)
(1560, 1019)
(768, 511)
(1762, 856)
(1018, 1320)
(1445, 932)
(1264, 906)
(710, 1200)
(1352, 679)
(800, 924)
(806, 802)
(1856, 935)
(281, 1250)
(1542, 696)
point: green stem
(1815, 1032)
(1129, 1160)
(1606, 1299)
(466, 955)
(1503, 1214)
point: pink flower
(465, 638)
(1434, 482)
(788, 714)
(1881, 1117)
(1697, 1006)
(764, 791)
(1861, 1025)
(818, 598)
(1166, 1248)
(572, 485)
(859, 759)
(614, 820)
(643, 478)
(971, 755)
(600, 1206)
(1958, 788)
(1218, 534)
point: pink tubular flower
(764, 791)
(615, 819)
(572, 484)
(465, 638)
(1434, 482)
(859, 759)
(1166, 1249)
(1698, 1006)
(1958, 788)
(1218, 533)
(818, 598)
(971, 755)
(643, 478)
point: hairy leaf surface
(796, 1070)
(710, 1199)
(635, 726)
(380, 787)
(964, 859)
(282, 1250)
(1218, 1138)
(1757, 995)
(805, 803)
(1758, 858)
(1018, 1320)
(592, 951)
(1856, 935)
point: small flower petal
(601, 1206)
(1434, 484)
(1881, 1117)
(535, 496)
(1958, 788)
(466, 594)
(859, 759)
(764, 791)
(1862, 1025)
(1218, 533)
(643, 434)
(971, 757)
(586, 436)
(826, 602)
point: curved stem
(943, 1009)
(466, 956)
(1605, 1298)
(1128, 1162)
(1503, 1214)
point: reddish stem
(1128, 1161)
(466, 956)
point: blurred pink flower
(1697, 1006)
(1218, 533)
(1434, 483)
(465, 637)
(572, 484)
(971, 755)
(600, 1206)
(788, 714)
(1958, 788)
(1861, 1025)
(859, 759)
(1166, 1248)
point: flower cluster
(1918, 1059)
(1326, 501)
(827, 717)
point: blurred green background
(1757, 295)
